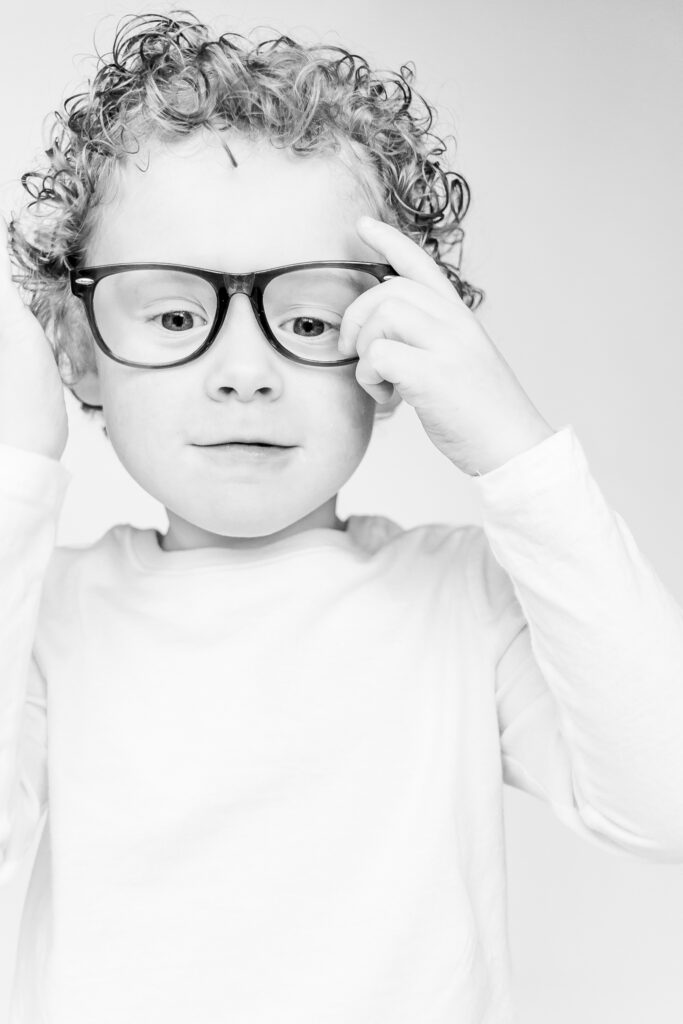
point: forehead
(185, 202)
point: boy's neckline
(147, 549)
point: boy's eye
(308, 326)
(179, 320)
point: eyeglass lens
(162, 315)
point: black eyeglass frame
(84, 281)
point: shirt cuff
(546, 492)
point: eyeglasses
(154, 315)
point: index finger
(405, 255)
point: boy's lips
(249, 453)
(240, 440)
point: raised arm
(33, 435)
(32, 488)
(590, 658)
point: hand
(414, 334)
(33, 412)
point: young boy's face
(192, 206)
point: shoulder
(445, 550)
(72, 564)
(492, 592)
(452, 565)
(441, 545)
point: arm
(589, 665)
(32, 488)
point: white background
(567, 118)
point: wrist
(517, 445)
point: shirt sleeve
(589, 656)
(32, 489)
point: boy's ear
(87, 389)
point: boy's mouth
(259, 442)
(247, 452)
(244, 444)
(247, 449)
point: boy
(277, 741)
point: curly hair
(168, 76)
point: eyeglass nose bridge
(237, 284)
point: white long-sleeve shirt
(274, 777)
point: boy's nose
(240, 327)
(241, 359)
